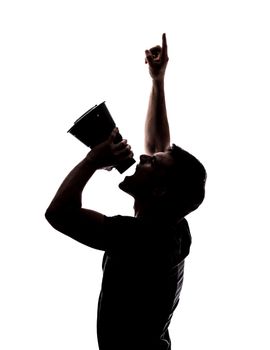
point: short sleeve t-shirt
(143, 271)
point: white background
(58, 59)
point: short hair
(186, 185)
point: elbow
(162, 145)
(149, 148)
(56, 219)
(54, 215)
(60, 219)
(50, 215)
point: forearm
(157, 133)
(104, 155)
(69, 194)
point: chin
(124, 186)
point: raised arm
(157, 132)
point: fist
(157, 59)
(108, 154)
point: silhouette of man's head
(186, 185)
(171, 182)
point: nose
(144, 158)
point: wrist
(158, 82)
(91, 161)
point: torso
(140, 290)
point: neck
(150, 211)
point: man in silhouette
(143, 263)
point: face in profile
(148, 175)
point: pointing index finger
(164, 45)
